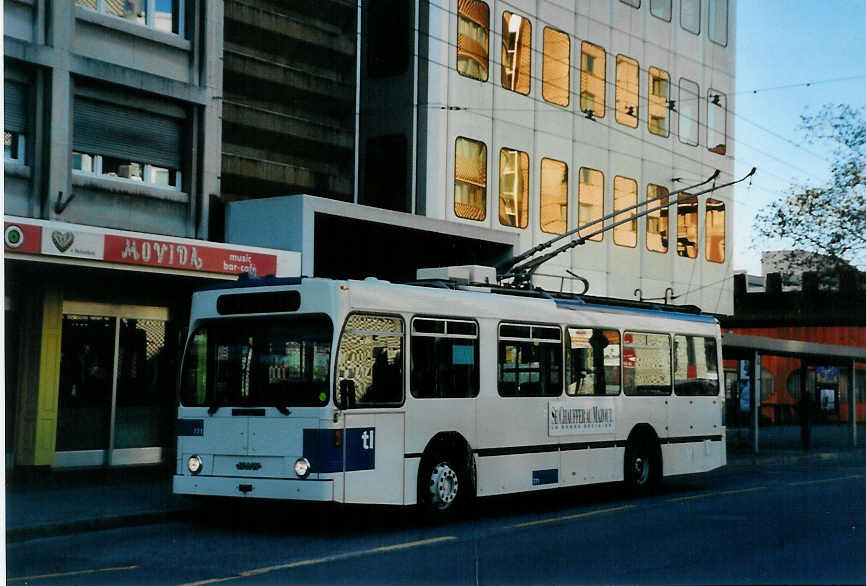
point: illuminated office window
(718, 21)
(627, 90)
(556, 67)
(592, 79)
(717, 114)
(516, 52)
(590, 201)
(513, 188)
(687, 228)
(554, 196)
(470, 179)
(690, 15)
(473, 31)
(715, 230)
(657, 221)
(689, 119)
(624, 196)
(659, 86)
(661, 9)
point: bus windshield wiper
(213, 408)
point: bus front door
(373, 457)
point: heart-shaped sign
(62, 240)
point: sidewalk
(58, 503)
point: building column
(39, 378)
(852, 406)
(755, 386)
(59, 103)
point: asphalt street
(793, 523)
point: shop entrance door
(116, 391)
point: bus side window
(592, 362)
(696, 370)
(530, 361)
(646, 363)
(371, 355)
(444, 359)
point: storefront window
(473, 23)
(688, 107)
(516, 52)
(592, 79)
(624, 196)
(717, 113)
(554, 196)
(687, 228)
(556, 67)
(659, 92)
(627, 90)
(657, 221)
(715, 230)
(513, 188)
(470, 179)
(590, 201)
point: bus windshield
(277, 362)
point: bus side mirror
(347, 393)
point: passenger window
(444, 359)
(696, 370)
(371, 355)
(646, 364)
(530, 361)
(592, 362)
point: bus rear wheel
(442, 486)
(642, 467)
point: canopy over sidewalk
(743, 347)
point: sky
(788, 43)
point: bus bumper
(262, 488)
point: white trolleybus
(436, 392)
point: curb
(93, 524)
(793, 458)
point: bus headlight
(194, 464)
(302, 467)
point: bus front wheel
(443, 486)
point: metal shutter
(15, 107)
(126, 133)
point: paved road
(803, 523)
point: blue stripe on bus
(540, 477)
(326, 452)
(190, 427)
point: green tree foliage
(827, 219)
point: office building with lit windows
(153, 146)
